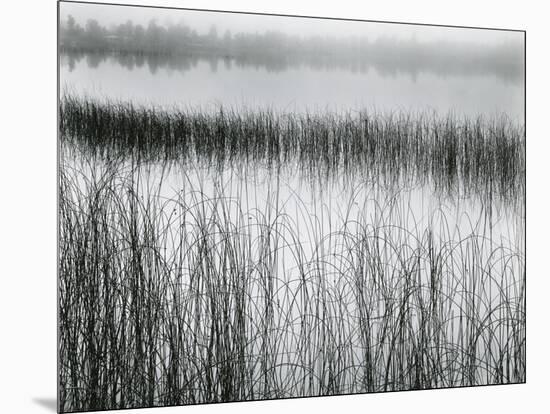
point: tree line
(181, 39)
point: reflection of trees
(135, 60)
(179, 47)
(276, 64)
(94, 59)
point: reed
(195, 297)
(454, 155)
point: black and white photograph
(257, 207)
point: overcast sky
(201, 21)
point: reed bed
(454, 155)
(193, 297)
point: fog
(276, 42)
(201, 21)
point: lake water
(199, 82)
(342, 249)
(304, 86)
(313, 232)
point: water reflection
(295, 84)
(391, 65)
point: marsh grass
(454, 155)
(194, 297)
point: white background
(28, 205)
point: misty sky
(201, 21)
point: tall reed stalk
(454, 155)
(193, 296)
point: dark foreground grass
(453, 155)
(189, 298)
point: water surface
(207, 82)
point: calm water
(204, 83)
(200, 82)
(315, 229)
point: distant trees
(134, 38)
(95, 34)
(91, 37)
(275, 46)
(72, 27)
(174, 39)
(227, 39)
(212, 35)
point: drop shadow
(48, 403)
